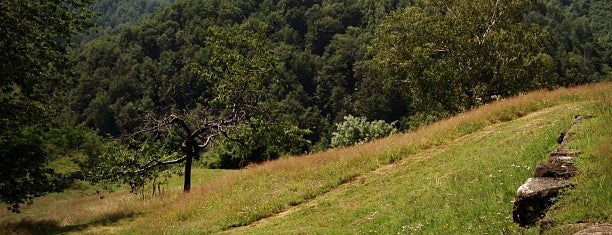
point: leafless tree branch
(155, 163)
(207, 141)
(194, 141)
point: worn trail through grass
(375, 186)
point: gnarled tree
(195, 134)
(239, 68)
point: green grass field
(457, 176)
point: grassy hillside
(456, 176)
(465, 186)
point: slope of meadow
(456, 176)
(466, 186)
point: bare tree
(196, 135)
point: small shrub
(357, 129)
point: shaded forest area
(115, 14)
(296, 72)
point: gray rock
(601, 229)
(533, 198)
(556, 169)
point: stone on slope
(556, 169)
(601, 229)
(533, 198)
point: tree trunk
(187, 183)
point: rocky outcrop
(600, 229)
(533, 198)
(536, 195)
(556, 169)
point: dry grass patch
(75, 212)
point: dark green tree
(33, 66)
(257, 140)
(452, 55)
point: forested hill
(321, 60)
(582, 37)
(113, 14)
(149, 66)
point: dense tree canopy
(34, 38)
(33, 66)
(115, 14)
(449, 56)
(581, 37)
(425, 60)
(149, 66)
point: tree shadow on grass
(51, 226)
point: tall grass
(263, 190)
(465, 187)
(80, 210)
(239, 198)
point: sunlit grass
(467, 167)
(77, 210)
(466, 187)
(264, 190)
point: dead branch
(155, 163)
(492, 23)
(194, 141)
